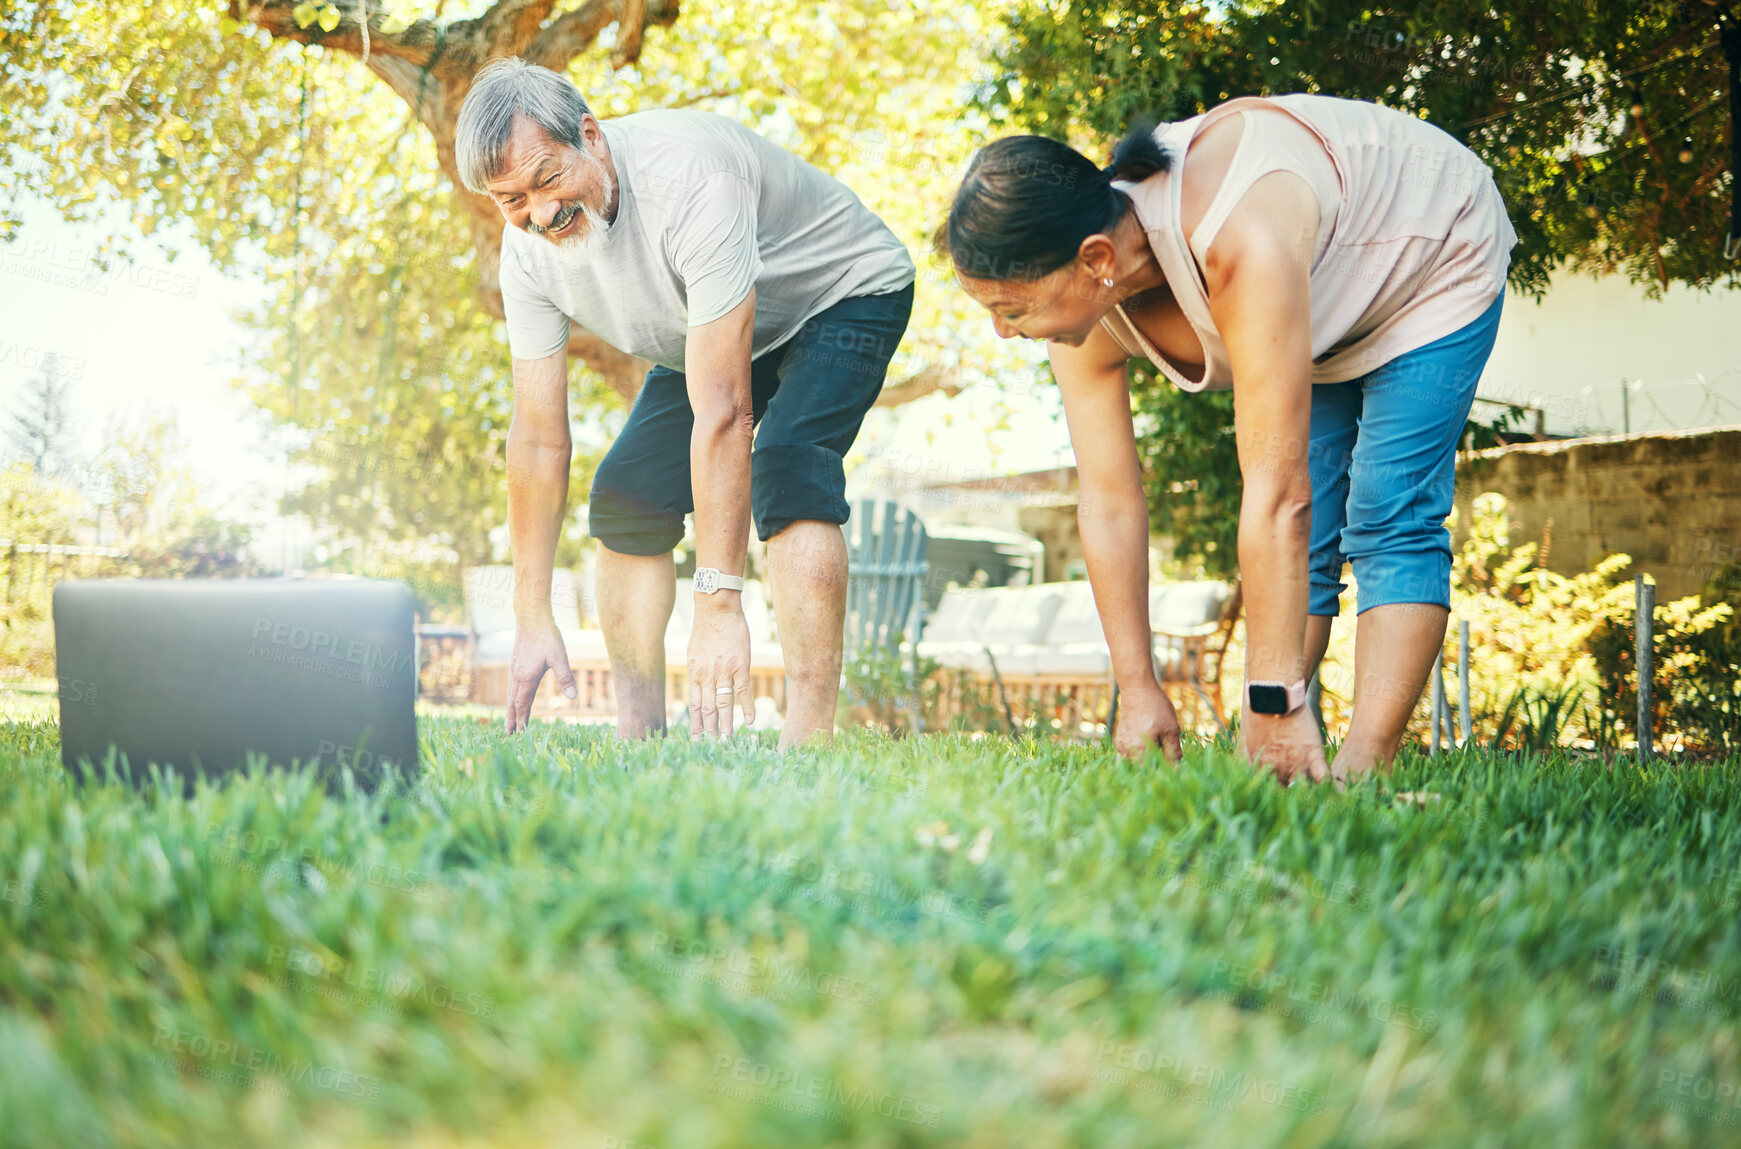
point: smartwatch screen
(1268, 698)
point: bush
(1551, 655)
(1696, 645)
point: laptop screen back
(198, 673)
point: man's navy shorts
(809, 396)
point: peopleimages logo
(1207, 1083)
(1286, 989)
(257, 853)
(1693, 1095)
(81, 268)
(738, 967)
(217, 1054)
(391, 987)
(813, 1094)
(305, 648)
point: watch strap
(1296, 692)
(709, 580)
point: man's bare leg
(1394, 649)
(635, 597)
(807, 564)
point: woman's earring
(1107, 282)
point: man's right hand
(1146, 719)
(537, 648)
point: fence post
(1463, 712)
(1644, 622)
(1438, 702)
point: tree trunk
(430, 66)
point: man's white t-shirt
(706, 208)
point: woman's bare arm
(1113, 516)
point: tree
(41, 426)
(330, 166)
(141, 479)
(1604, 124)
(1186, 446)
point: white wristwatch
(710, 581)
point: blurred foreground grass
(558, 940)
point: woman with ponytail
(1340, 267)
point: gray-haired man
(771, 301)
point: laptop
(200, 673)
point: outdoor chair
(886, 568)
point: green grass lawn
(555, 940)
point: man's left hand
(719, 666)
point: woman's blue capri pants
(1383, 465)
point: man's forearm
(1115, 545)
(537, 501)
(719, 467)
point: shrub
(1696, 645)
(1551, 655)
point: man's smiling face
(567, 195)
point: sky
(156, 336)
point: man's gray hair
(505, 88)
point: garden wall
(1671, 500)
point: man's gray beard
(582, 243)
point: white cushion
(585, 646)
(1019, 615)
(1077, 620)
(1069, 660)
(963, 654)
(1186, 607)
(949, 621)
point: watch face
(1268, 698)
(706, 580)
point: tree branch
(430, 66)
(624, 372)
(505, 29)
(405, 78)
(570, 34)
(629, 25)
(414, 44)
(574, 32)
(921, 384)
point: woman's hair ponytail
(1139, 155)
(1027, 203)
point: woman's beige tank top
(1413, 243)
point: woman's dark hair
(1027, 203)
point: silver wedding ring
(724, 690)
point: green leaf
(304, 14)
(329, 18)
(392, 25)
